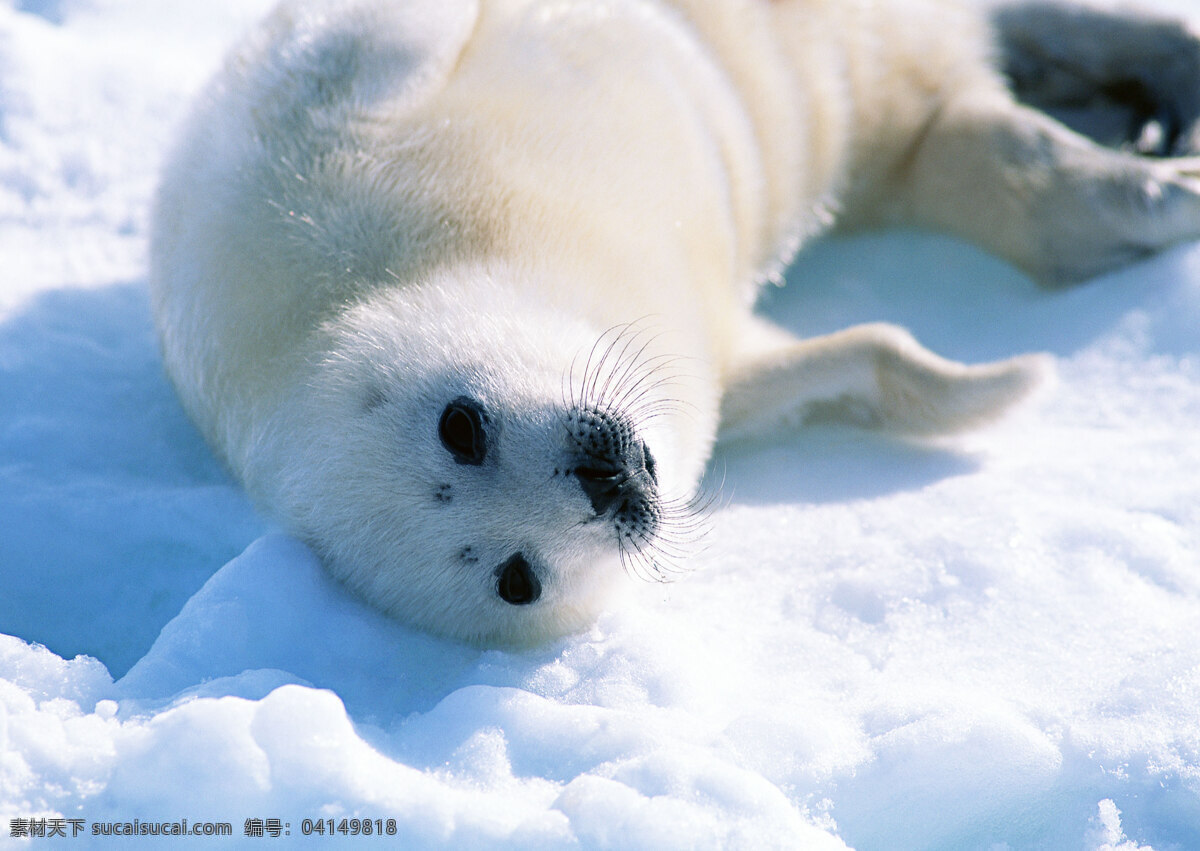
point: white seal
(463, 291)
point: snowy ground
(983, 643)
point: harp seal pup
(461, 290)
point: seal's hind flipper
(1127, 80)
(875, 376)
(1000, 169)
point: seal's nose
(617, 470)
(603, 485)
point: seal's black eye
(461, 431)
(518, 583)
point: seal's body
(461, 291)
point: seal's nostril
(599, 475)
(601, 484)
(518, 583)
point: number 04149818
(348, 827)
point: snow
(987, 642)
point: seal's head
(481, 472)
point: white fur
(378, 206)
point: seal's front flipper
(875, 376)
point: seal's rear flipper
(1059, 205)
(873, 375)
(1126, 79)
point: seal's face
(603, 473)
(483, 481)
(614, 468)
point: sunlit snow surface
(987, 642)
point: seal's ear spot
(373, 400)
(461, 431)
